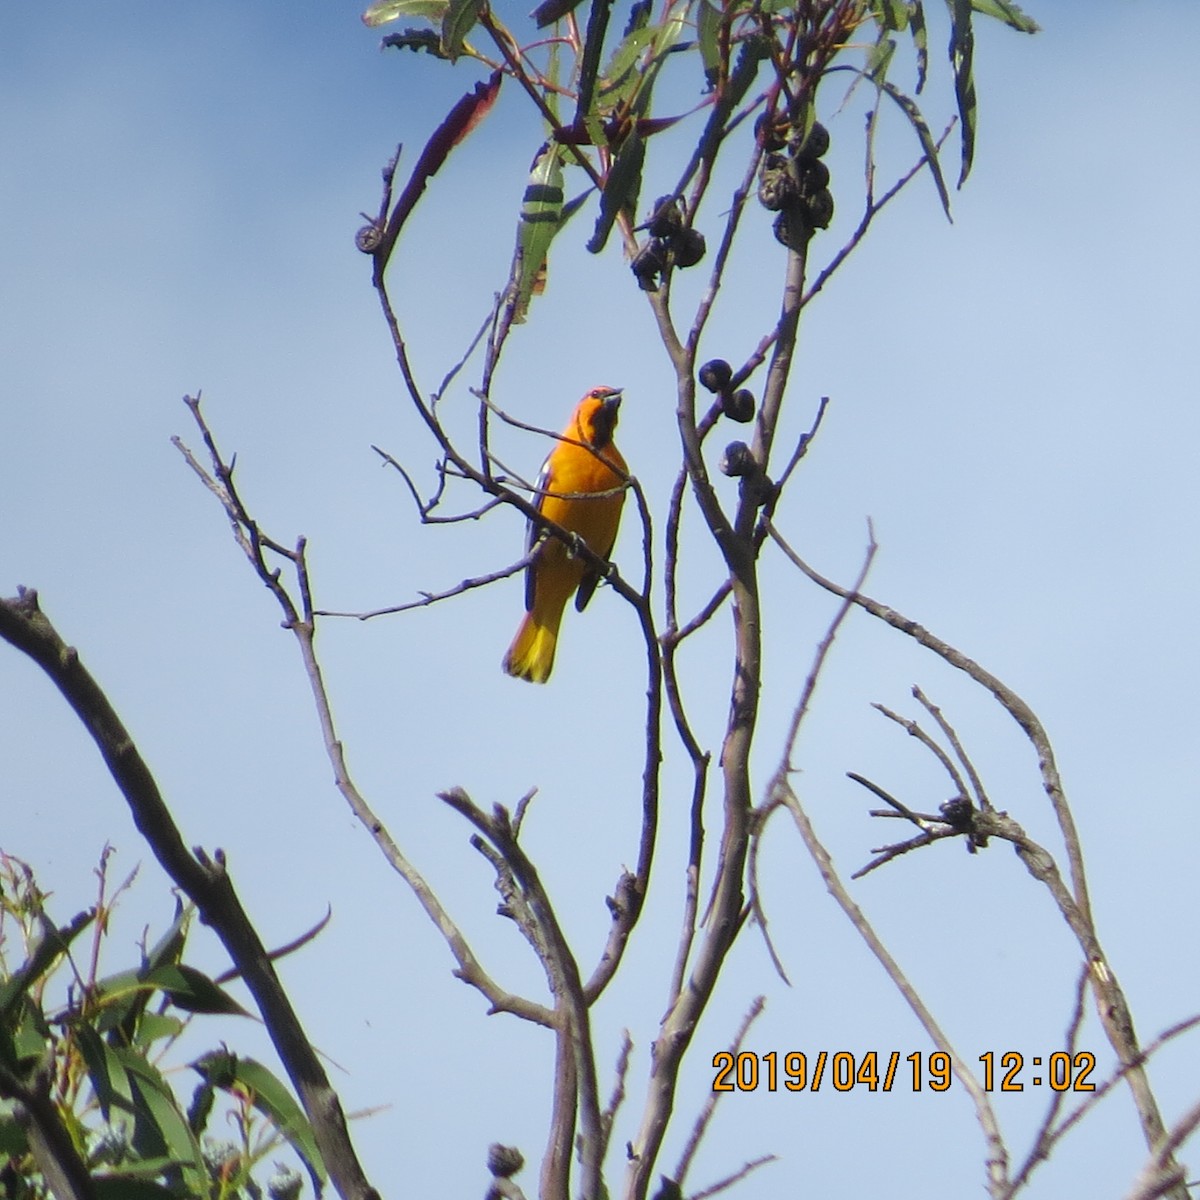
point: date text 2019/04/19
(842, 1071)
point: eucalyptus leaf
(193, 991)
(273, 1099)
(160, 1128)
(393, 10)
(1010, 14)
(537, 225)
(928, 144)
(962, 55)
(620, 189)
(460, 18)
(920, 37)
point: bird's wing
(534, 533)
(591, 577)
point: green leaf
(30, 1034)
(153, 1027)
(160, 1128)
(392, 10)
(708, 28)
(537, 226)
(635, 63)
(880, 59)
(891, 14)
(920, 36)
(193, 991)
(1010, 14)
(460, 18)
(962, 54)
(621, 77)
(751, 55)
(913, 113)
(553, 10)
(272, 1098)
(169, 947)
(620, 189)
(13, 1143)
(106, 1071)
(118, 1003)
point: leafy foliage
(83, 1055)
(607, 137)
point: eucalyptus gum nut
(817, 142)
(716, 374)
(738, 406)
(688, 246)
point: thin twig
(705, 1115)
(981, 797)
(915, 730)
(1074, 905)
(204, 879)
(725, 1184)
(246, 531)
(617, 1096)
(428, 598)
(997, 1152)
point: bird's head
(598, 415)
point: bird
(581, 487)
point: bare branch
(469, 968)
(562, 970)
(204, 880)
(428, 598)
(725, 1184)
(915, 730)
(705, 1116)
(1009, 700)
(981, 797)
(617, 1097)
(997, 1152)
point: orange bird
(582, 488)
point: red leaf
(459, 121)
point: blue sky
(1013, 404)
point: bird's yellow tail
(531, 655)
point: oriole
(580, 487)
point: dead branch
(723, 1185)
(705, 1115)
(997, 1152)
(219, 482)
(203, 878)
(572, 1021)
(428, 598)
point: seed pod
(776, 185)
(792, 228)
(820, 209)
(688, 247)
(814, 176)
(648, 264)
(738, 406)
(666, 219)
(716, 374)
(817, 142)
(504, 1161)
(771, 133)
(368, 238)
(738, 459)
